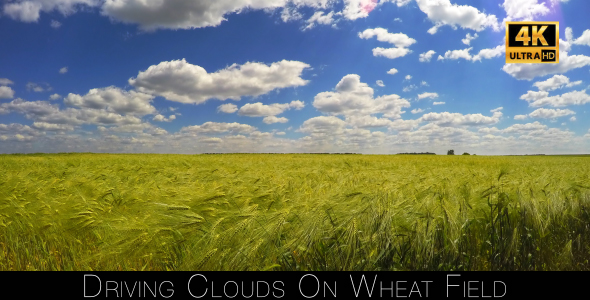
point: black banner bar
(295, 285)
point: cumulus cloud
(456, 54)
(274, 119)
(524, 10)
(427, 95)
(323, 125)
(438, 103)
(181, 81)
(63, 70)
(468, 38)
(426, 56)
(54, 97)
(520, 117)
(217, 128)
(542, 98)
(417, 110)
(489, 53)
(584, 39)
(392, 71)
(545, 113)
(555, 82)
(351, 96)
(400, 40)
(36, 87)
(530, 71)
(29, 10)
(186, 14)
(409, 88)
(261, 110)
(319, 18)
(408, 77)
(442, 12)
(457, 119)
(162, 118)
(5, 81)
(228, 108)
(6, 92)
(114, 100)
(355, 9)
(52, 127)
(43, 111)
(55, 24)
(380, 83)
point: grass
(293, 212)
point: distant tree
(465, 153)
(451, 152)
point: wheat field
(294, 212)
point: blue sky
(368, 76)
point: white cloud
(181, 81)
(468, 38)
(5, 81)
(555, 82)
(391, 53)
(524, 10)
(54, 96)
(530, 71)
(29, 10)
(584, 39)
(261, 110)
(186, 14)
(55, 24)
(489, 53)
(43, 111)
(426, 56)
(417, 110)
(355, 9)
(457, 119)
(427, 95)
(397, 39)
(497, 109)
(297, 104)
(424, 83)
(6, 92)
(114, 100)
(438, 103)
(392, 71)
(162, 118)
(520, 117)
(523, 128)
(35, 87)
(352, 96)
(216, 128)
(400, 40)
(52, 127)
(542, 98)
(545, 113)
(290, 14)
(380, 83)
(274, 119)
(408, 77)
(456, 54)
(573, 119)
(228, 108)
(323, 125)
(63, 70)
(409, 88)
(319, 18)
(442, 12)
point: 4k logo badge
(532, 42)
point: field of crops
(294, 212)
